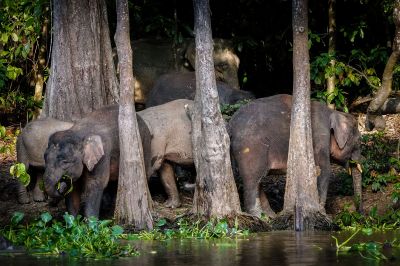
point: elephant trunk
(356, 172)
(50, 184)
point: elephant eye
(223, 66)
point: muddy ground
(274, 187)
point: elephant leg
(23, 195)
(252, 203)
(253, 165)
(38, 194)
(266, 208)
(324, 164)
(357, 185)
(92, 197)
(73, 202)
(169, 183)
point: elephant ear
(92, 151)
(342, 128)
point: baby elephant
(177, 85)
(260, 139)
(86, 156)
(31, 145)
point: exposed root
(243, 221)
(312, 221)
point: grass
(184, 229)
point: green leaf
(46, 217)
(25, 179)
(92, 223)
(2, 131)
(69, 220)
(13, 72)
(17, 217)
(4, 38)
(14, 37)
(367, 231)
(117, 230)
(161, 222)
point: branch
(364, 76)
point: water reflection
(273, 248)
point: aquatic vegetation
(371, 250)
(75, 237)
(184, 228)
(347, 219)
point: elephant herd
(78, 160)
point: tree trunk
(82, 76)
(387, 79)
(215, 194)
(133, 204)
(301, 194)
(331, 49)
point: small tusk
(349, 170)
(359, 168)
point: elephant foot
(39, 196)
(261, 209)
(172, 203)
(270, 214)
(23, 198)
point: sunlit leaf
(14, 37)
(46, 217)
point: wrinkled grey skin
(176, 85)
(89, 154)
(259, 145)
(171, 142)
(31, 145)
(152, 58)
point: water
(272, 248)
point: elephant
(31, 146)
(259, 133)
(171, 142)
(152, 58)
(87, 155)
(177, 85)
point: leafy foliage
(20, 29)
(227, 110)
(347, 76)
(8, 139)
(186, 229)
(379, 166)
(373, 221)
(18, 171)
(76, 237)
(369, 250)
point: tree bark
(133, 204)
(387, 79)
(216, 193)
(82, 76)
(331, 81)
(301, 194)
